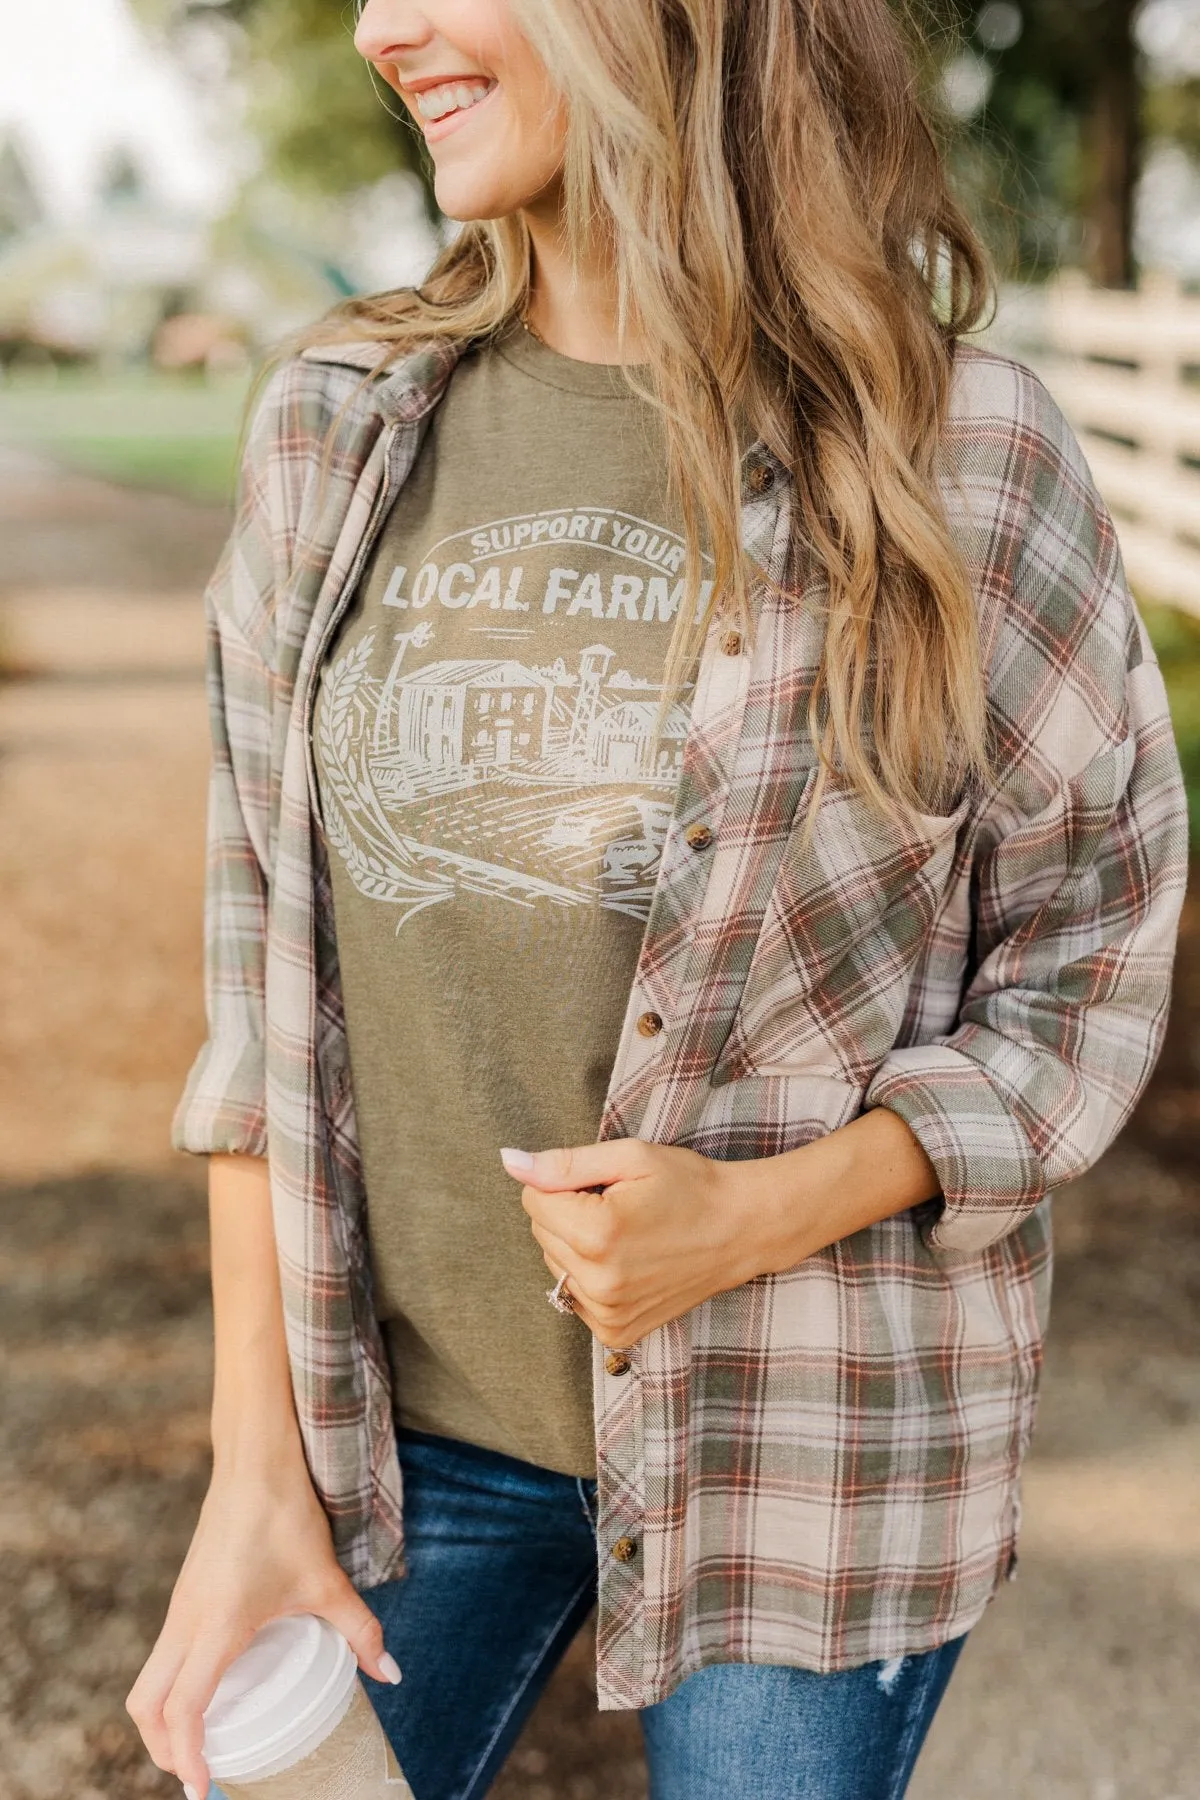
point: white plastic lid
(279, 1698)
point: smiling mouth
(442, 102)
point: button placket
(637, 1411)
(621, 1519)
(719, 702)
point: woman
(684, 743)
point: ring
(559, 1297)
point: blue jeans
(502, 1574)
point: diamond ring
(559, 1296)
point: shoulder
(1006, 431)
(326, 405)
(1014, 460)
(305, 437)
(1015, 470)
(1059, 628)
(314, 420)
(299, 403)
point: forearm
(262, 1548)
(806, 1199)
(253, 1413)
(644, 1231)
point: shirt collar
(408, 386)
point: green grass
(1176, 638)
(168, 432)
(199, 468)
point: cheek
(543, 137)
(535, 111)
(503, 168)
(529, 135)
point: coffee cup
(290, 1720)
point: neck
(573, 310)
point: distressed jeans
(502, 1574)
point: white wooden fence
(1125, 368)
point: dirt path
(1080, 1683)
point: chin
(467, 200)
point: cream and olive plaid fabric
(819, 1468)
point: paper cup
(290, 1720)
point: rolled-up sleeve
(223, 1104)
(1077, 885)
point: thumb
(351, 1615)
(586, 1166)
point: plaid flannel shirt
(818, 1468)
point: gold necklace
(532, 329)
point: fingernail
(190, 1792)
(389, 1668)
(517, 1159)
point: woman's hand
(671, 1228)
(262, 1549)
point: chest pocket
(832, 965)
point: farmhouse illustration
(522, 781)
(464, 716)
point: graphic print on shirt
(515, 772)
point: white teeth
(452, 96)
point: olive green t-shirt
(495, 800)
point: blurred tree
(21, 206)
(120, 177)
(1049, 99)
(324, 122)
(1046, 97)
(1173, 111)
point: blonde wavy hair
(787, 246)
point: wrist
(792, 1205)
(250, 1444)
(765, 1226)
(258, 1480)
(783, 1205)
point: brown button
(731, 643)
(617, 1363)
(650, 1024)
(762, 476)
(698, 836)
(625, 1549)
